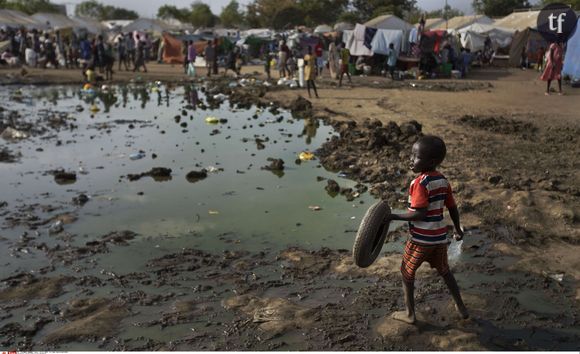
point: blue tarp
(572, 59)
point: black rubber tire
(371, 234)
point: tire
(371, 235)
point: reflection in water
(310, 126)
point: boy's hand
(388, 218)
(458, 236)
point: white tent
(258, 32)
(148, 25)
(92, 26)
(474, 36)
(323, 29)
(520, 20)
(116, 24)
(13, 18)
(459, 22)
(393, 23)
(56, 21)
(343, 26)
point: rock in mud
(64, 177)
(275, 165)
(196, 176)
(332, 187)
(301, 108)
(80, 199)
(159, 174)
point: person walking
(553, 69)
(283, 54)
(191, 56)
(344, 60)
(139, 56)
(209, 57)
(310, 71)
(333, 60)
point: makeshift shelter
(323, 29)
(116, 24)
(431, 41)
(531, 40)
(16, 19)
(475, 35)
(343, 26)
(383, 38)
(258, 32)
(172, 51)
(519, 20)
(572, 59)
(148, 25)
(459, 22)
(392, 22)
(56, 21)
(431, 23)
(92, 26)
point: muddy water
(238, 207)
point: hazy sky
(148, 8)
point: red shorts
(344, 69)
(415, 254)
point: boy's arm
(415, 215)
(454, 214)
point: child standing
(429, 193)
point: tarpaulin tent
(572, 59)
(383, 38)
(474, 36)
(56, 21)
(148, 25)
(172, 51)
(323, 29)
(530, 39)
(519, 20)
(392, 22)
(458, 22)
(92, 26)
(17, 19)
(431, 41)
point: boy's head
(391, 46)
(428, 153)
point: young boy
(428, 194)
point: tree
(167, 12)
(98, 11)
(372, 8)
(252, 17)
(30, 7)
(264, 11)
(288, 17)
(231, 15)
(201, 15)
(446, 13)
(574, 4)
(350, 17)
(317, 12)
(498, 8)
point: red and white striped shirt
(430, 190)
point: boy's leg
(308, 88)
(548, 87)
(560, 86)
(454, 290)
(407, 316)
(316, 92)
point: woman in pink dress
(553, 70)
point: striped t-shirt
(430, 190)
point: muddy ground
(513, 160)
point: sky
(149, 8)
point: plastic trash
(137, 155)
(314, 207)
(212, 169)
(213, 212)
(233, 84)
(56, 228)
(212, 120)
(12, 134)
(220, 97)
(94, 108)
(342, 175)
(306, 156)
(454, 251)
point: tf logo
(557, 22)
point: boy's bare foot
(463, 312)
(403, 316)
